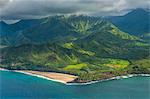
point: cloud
(3, 3)
(21, 9)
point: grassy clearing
(76, 66)
(117, 63)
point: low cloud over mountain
(21, 9)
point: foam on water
(86, 83)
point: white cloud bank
(20, 9)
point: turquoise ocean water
(20, 86)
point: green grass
(121, 34)
(68, 45)
(140, 66)
(89, 53)
(138, 44)
(76, 66)
(88, 47)
(117, 63)
(72, 58)
(81, 26)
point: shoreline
(32, 73)
(40, 76)
(57, 77)
(110, 79)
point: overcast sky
(28, 9)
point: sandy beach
(59, 77)
(2, 69)
(67, 78)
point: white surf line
(40, 76)
(113, 78)
(2, 69)
(87, 83)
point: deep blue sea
(20, 86)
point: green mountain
(21, 25)
(11, 33)
(135, 22)
(89, 47)
(58, 28)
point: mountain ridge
(135, 22)
(90, 47)
(57, 26)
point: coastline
(110, 79)
(70, 81)
(3, 69)
(57, 77)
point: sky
(31, 9)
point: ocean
(15, 85)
